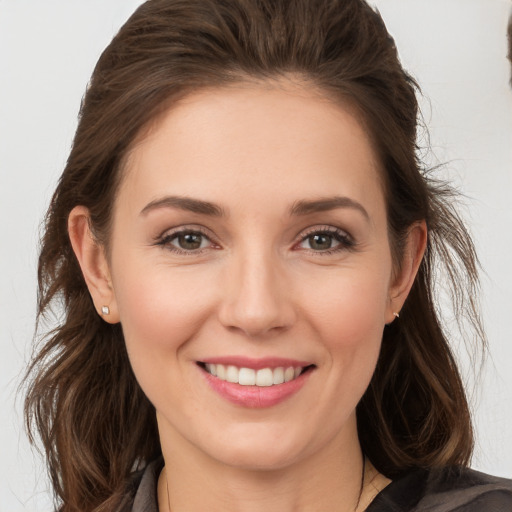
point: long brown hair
(95, 423)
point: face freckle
(250, 231)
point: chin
(266, 458)
(260, 449)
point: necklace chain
(167, 487)
(364, 484)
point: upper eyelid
(186, 229)
(323, 229)
(207, 232)
(302, 235)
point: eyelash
(166, 239)
(345, 241)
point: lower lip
(256, 397)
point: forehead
(280, 137)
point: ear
(93, 262)
(403, 280)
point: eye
(326, 240)
(185, 241)
(189, 241)
(319, 242)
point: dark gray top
(444, 490)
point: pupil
(190, 241)
(320, 242)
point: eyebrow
(185, 203)
(304, 207)
(299, 208)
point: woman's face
(250, 237)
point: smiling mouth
(264, 377)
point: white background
(455, 48)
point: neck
(329, 481)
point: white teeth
(289, 373)
(220, 372)
(264, 377)
(249, 377)
(278, 377)
(232, 373)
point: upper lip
(256, 363)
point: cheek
(159, 307)
(349, 319)
(350, 311)
(160, 310)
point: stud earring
(396, 315)
(105, 310)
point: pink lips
(256, 396)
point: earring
(396, 315)
(105, 310)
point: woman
(243, 241)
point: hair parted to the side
(95, 423)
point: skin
(257, 287)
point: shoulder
(466, 490)
(451, 489)
(141, 494)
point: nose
(256, 298)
